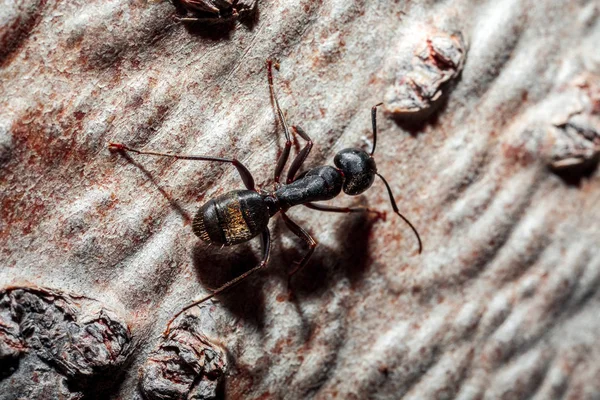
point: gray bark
(489, 137)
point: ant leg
(302, 234)
(288, 142)
(301, 157)
(374, 122)
(322, 207)
(266, 247)
(242, 170)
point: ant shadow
(328, 265)
(172, 202)
(216, 266)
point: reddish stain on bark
(518, 154)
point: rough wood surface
(490, 143)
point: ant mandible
(240, 215)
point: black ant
(240, 215)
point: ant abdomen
(231, 218)
(358, 168)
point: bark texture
(489, 137)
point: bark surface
(489, 136)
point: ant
(240, 215)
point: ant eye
(359, 170)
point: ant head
(359, 170)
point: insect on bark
(240, 215)
(214, 11)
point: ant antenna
(389, 190)
(374, 121)
(395, 207)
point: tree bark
(488, 135)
